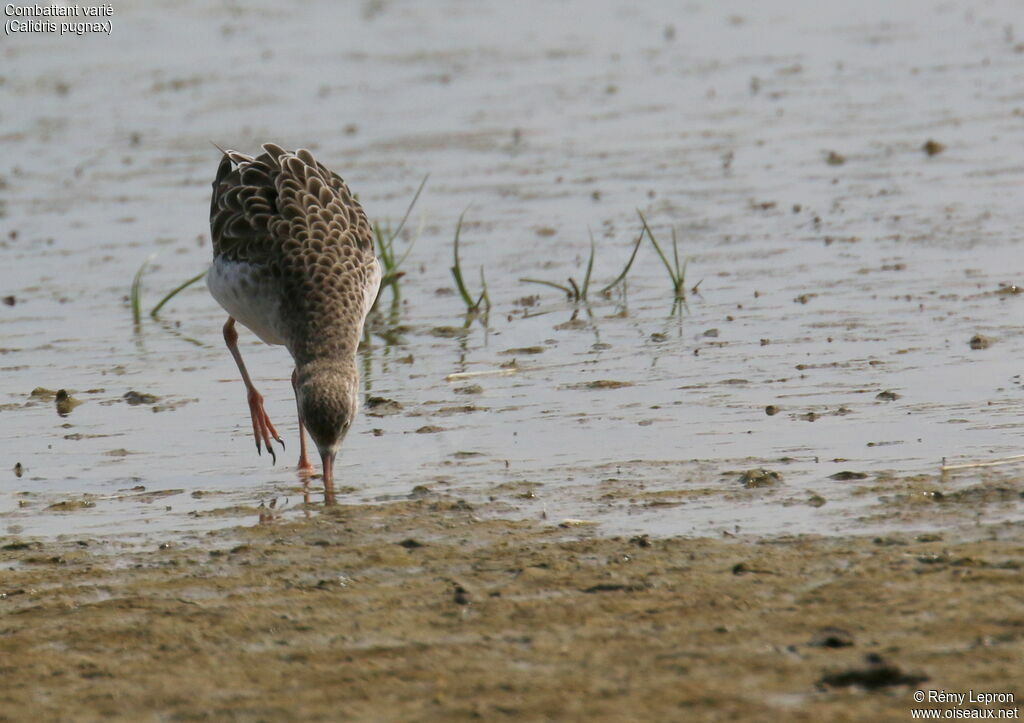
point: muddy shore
(421, 610)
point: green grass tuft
(174, 292)
(385, 243)
(676, 272)
(483, 301)
(578, 292)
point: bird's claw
(262, 428)
(270, 449)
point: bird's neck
(325, 344)
(333, 369)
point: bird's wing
(281, 205)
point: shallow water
(827, 282)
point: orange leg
(262, 429)
(305, 466)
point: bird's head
(328, 399)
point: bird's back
(288, 222)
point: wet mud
(422, 610)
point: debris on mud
(135, 398)
(831, 637)
(980, 341)
(71, 505)
(523, 350)
(429, 429)
(382, 407)
(875, 674)
(460, 409)
(835, 159)
(448, 332)
(846, 475)
(572, 324)
(600, 384)
(65, 402)
(573, 522)
(42, 394)
(754, 478)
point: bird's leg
(262, 429)
(305, 466)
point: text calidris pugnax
(293, 261)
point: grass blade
(484, 296)
(590, 266)
(405, 255)
(412, 203)
(136, 291)
(680, 273)
(621, 276)
(657, 247)
(174, 292)
(384, 249)
(552, 284)
(457, 268)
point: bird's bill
(328, 462)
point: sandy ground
(421, 610)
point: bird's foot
(305, 467)
(262, 429)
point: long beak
(328, 462)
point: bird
(294, 262)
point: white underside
(371, 291)
(256, 304)
(253, 303)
